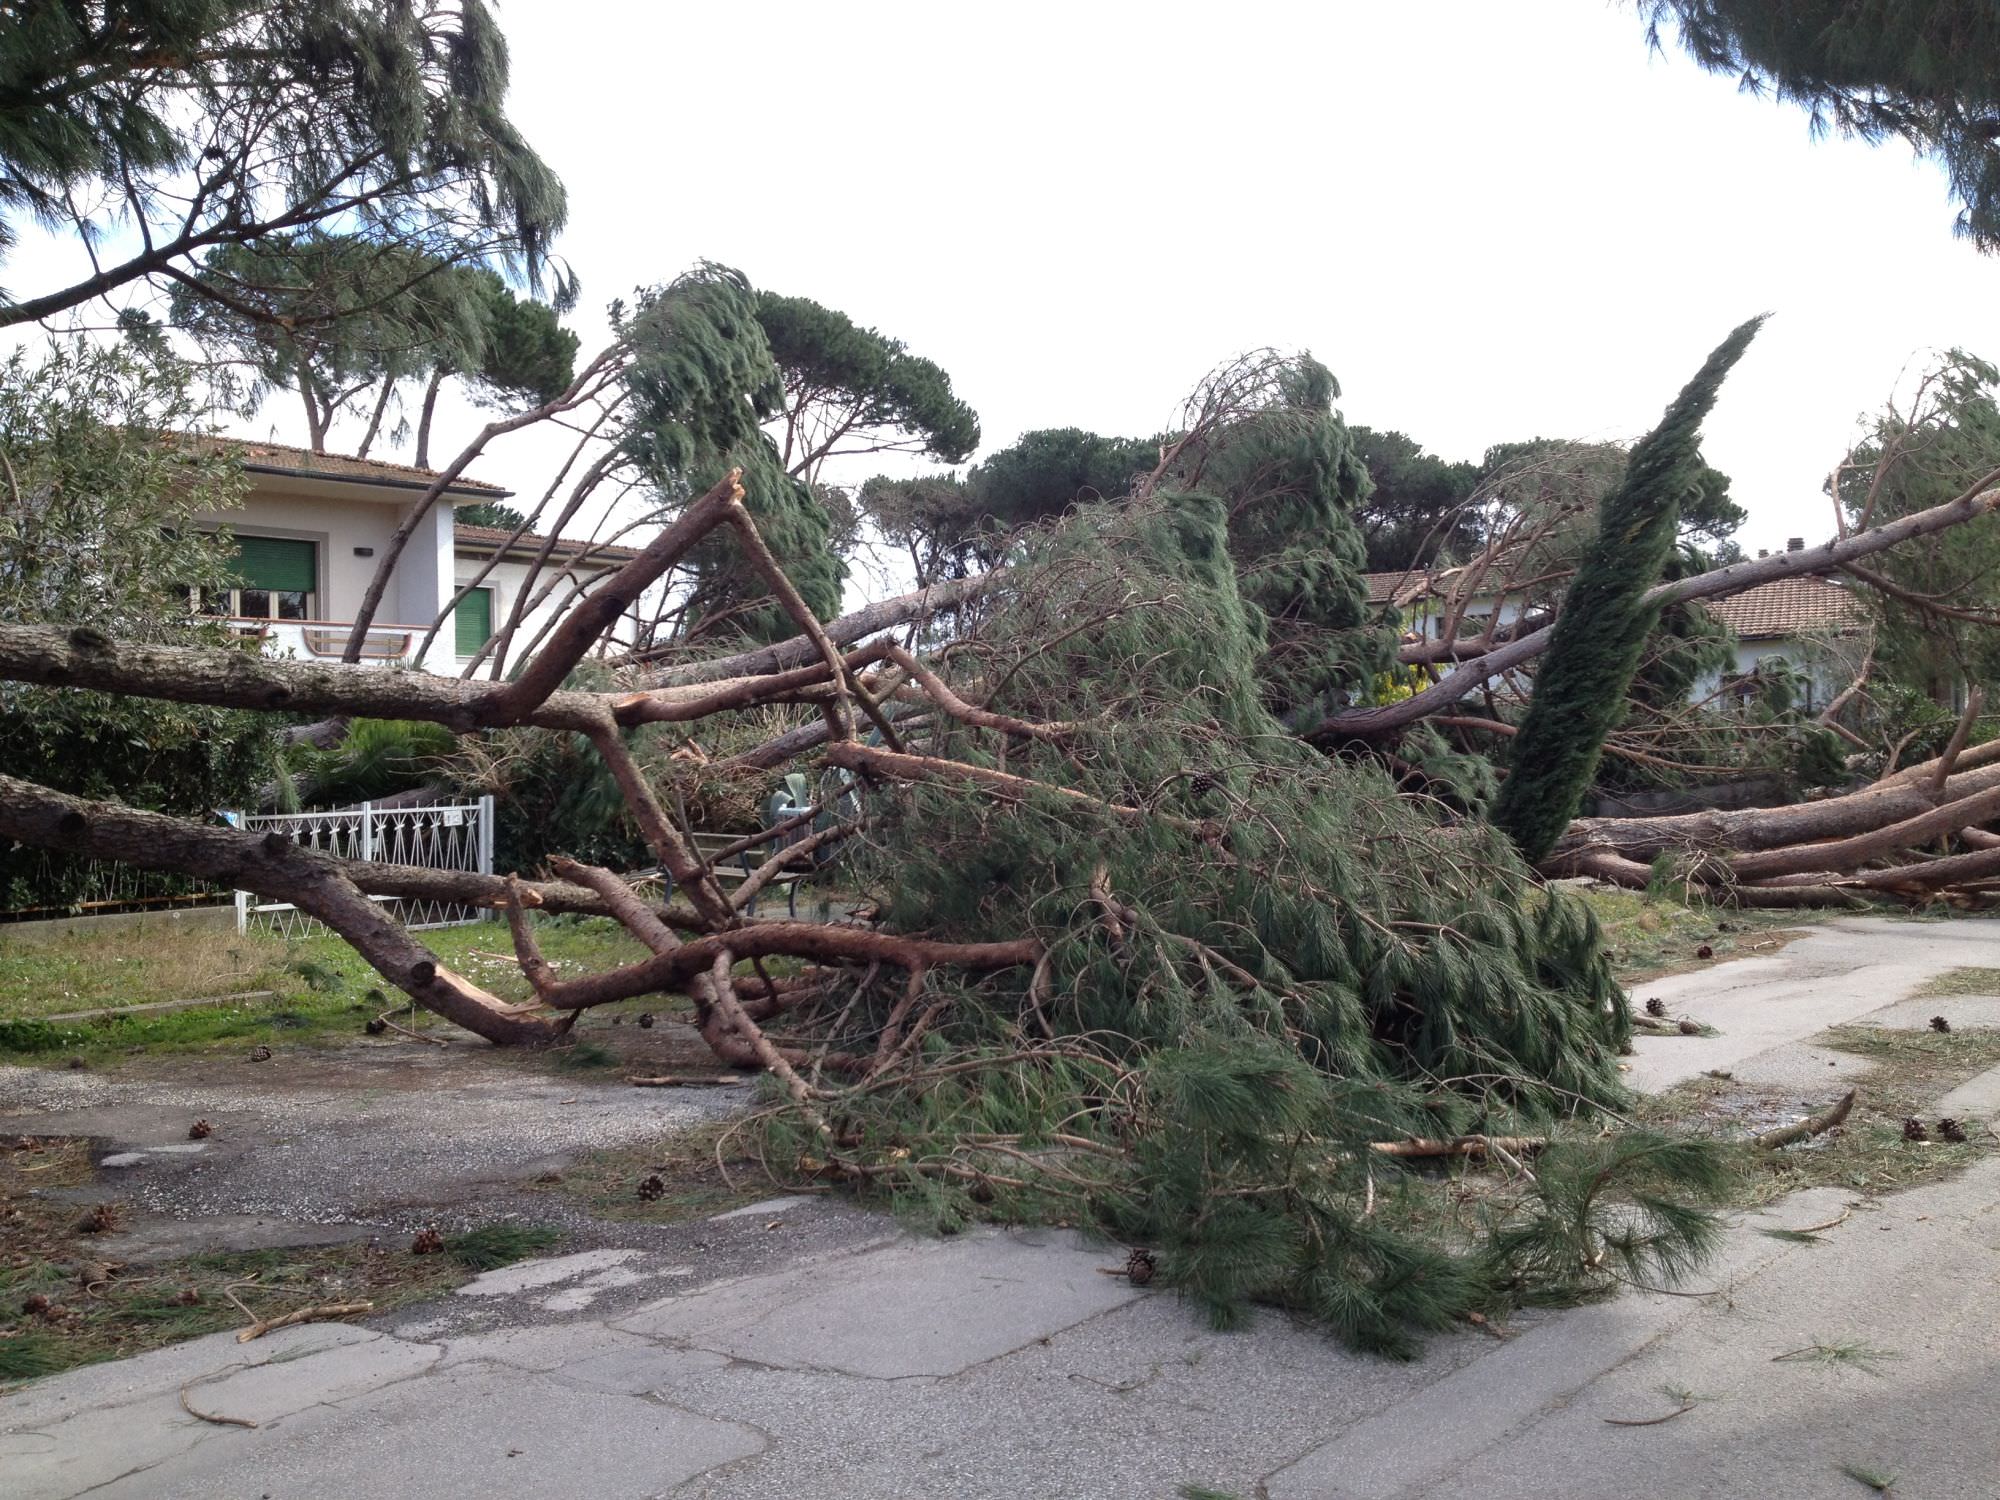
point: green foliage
(1941, 443)
(1414, 514)
(490, 513)
(851, 390)
(1581, 684)
(1283, 962)
(499, 1245)
(1928, 72)
(702, 379)
(386, 118)
(374, 758)
(101, 529)
(951, 527)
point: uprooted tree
(1121, 944)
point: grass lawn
(316, 984)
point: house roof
(1788, 607)
(283, 458)
(1396, 588)
(491, 538)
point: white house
(313, 526)
(1795, 620)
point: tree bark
(275, 867)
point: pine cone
(189, 1297)
(1656, 1007)
(1201, 784)
(1690, 1028)
(1913, 1130)
(100, 1220)
(375, 1026)
(1704, 951)
(646, 1020)
(1140, 1266)
(653, 1188)
(201, 1130)
(1950, 1130)
(36, 1305)
(1940, 1024)
(260, 1054)
(427, 1242)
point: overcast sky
(1492, 221)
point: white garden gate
(451, 836)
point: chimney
(1796, 544)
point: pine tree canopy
(1413, 515)
(1581, 686)
(850, 390)
(1925, 70)
(220, 122)
(703, 382)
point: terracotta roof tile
(340, 466)
(489, 539)
(1788, 607)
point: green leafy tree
(702, 382)
(1937, 603)
(1927, 71)
(102, 480)
(1415, 513)
(950, 526)
(850, 390)
(206, 123)
(491, 513)
(329, 317)
(519, 352)
(1581, 686)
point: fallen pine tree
(1129, 951)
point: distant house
(1793, 620)
(313, 526)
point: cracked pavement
(835, 1356)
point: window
(273, 578)
(473, 621)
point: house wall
(338, 526)
(507, 578)
(1825, 674)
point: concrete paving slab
(1840, 972)
(540, 1347)
(265, 1392)
(526, 1275)
(105, 1387)
(640, 1370)
(1976, 1098)
(471, 1431)
(1964, 1012)
(79, 1456)
(911, 1308)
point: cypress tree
(1581, 687)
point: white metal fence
(455, 836)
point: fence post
(486, 834)
(234, 818)
(367, 831)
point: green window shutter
(474, 621)
(280, 564)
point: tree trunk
(275, 867)
(424, 421)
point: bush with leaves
(99, 534)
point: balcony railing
(326, 640)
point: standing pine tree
(1600, 634)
